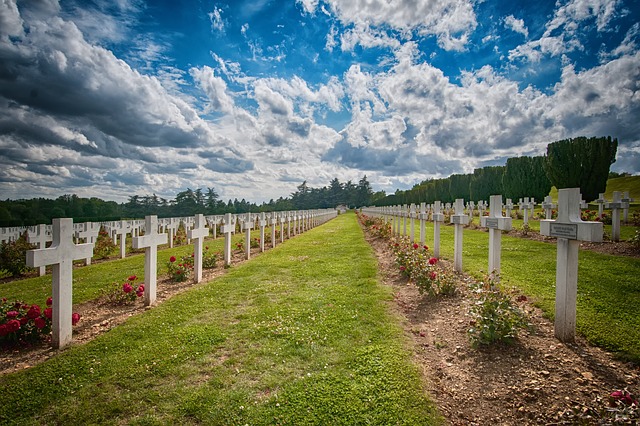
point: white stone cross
(40, 239)
(412, 216)
(228, 228)
(616, 205)
(601, 202)
(626, 200)
(172, 226)
(247, 226)
(496, 224)
(525, 206)
(282, 219)
(548, 207)
(273, 220)
(532, 207)
(459, 219)
(61, 255)
(89, 233)
(423, 216)
(508, 206)
(262, 223)
(438, 218)
(198, 233)
(150, 242)
(569, 229)
(291, 220)
(122, 230)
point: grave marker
(61, 255)
(548, 207)
(262, 222)
(228, 228)
(122, 230)
(40, 238)
(423, 216)
(496, 224)
(570, 230)
(412, 216)
(616, 205)
(626, 200)
(247, 226)
(438, 218)
(508, 206)
(601, 202)
(198, 234)
(150, 242)
(459, 219)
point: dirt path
(538, 380)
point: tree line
(569, 163)
(186, 203)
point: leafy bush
(13, 256)
(495, 318)
(104, 247)
(209, 260)
(180, 270)
(124, 293)
(635, 240)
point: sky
(114, 98)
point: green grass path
(299, 335)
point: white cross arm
(149, 240)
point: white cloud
(516, 25)
(308, 6)
(214, 87)
(217, 23)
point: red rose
(127, 288)
(425, 247)
(33, 312)
(415, 245)
(40, 323)
(49, 301)
(172, 259)
(141, 287)
(433, 261)
(48, 313)
(75, 318)
(402, 268)
(12, 314)
(13, 325)
(24, 321)
(132, 278)
(433, 275)
(4, 330)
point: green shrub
(13, 256)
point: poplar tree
(581, 162)
(525, 177)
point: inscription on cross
(61, 255)
(570, 230)
(150, 242)
(198, 234)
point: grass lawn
(299, 335)
(608, 286)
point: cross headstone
(459, 219)
(548, 207)
(508, 207)
(262, 223)
(273, 220)
(247, 226)
(89, 232)
(412, 216)
(616, 205)
(524, 207)
(228, 228)
(496, 224)
(172, 226)
(40, 238)
(122, 231)
(569, 229)
(61, 255)
(150, 242)
(601, 202)
(626, 200)
(532, 207)
(198, 234)
(438, 218)
(282, 219)
(423, 216)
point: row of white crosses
(63, 251)
(568, 228)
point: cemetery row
(148, 235)
(568, 228)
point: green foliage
(495, 318)
(525, 177)
(581, 162)
(104, 247)
(635, 240)
(123, 293)
(23, 323)
(180, 269)
(13, 256)
(459, 186)
(486, 182)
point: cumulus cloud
(516, 25)
(214, 87)
(217, 23)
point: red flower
(433, 275)
(127, 288)
(33, 312)
(425, 247)
(24, 321)
(13, 325)
(49, 301)
(206, 247)
(40, 323)
(141, 287)
(48, 313)
(75, 318)
(132, 278)
(172, 259)
(416, 245)
(433, 261)
(4, 330)
(402, 268)
(12, 314)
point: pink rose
(75, 318)
(12, 314)
(127, 288)
(13, 325)
(33, 312)
(48, 313)
(49, 301)
(132, 278)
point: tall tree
(525, 177)
(486, 182)
(459, 186)
(581, 162)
